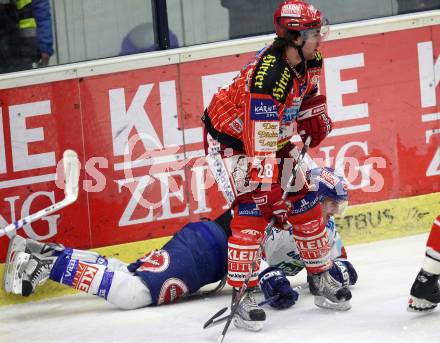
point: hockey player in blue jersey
(196, 256)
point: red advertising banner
(139, 138)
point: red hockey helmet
(296, 15)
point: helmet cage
(318, 33)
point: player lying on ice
(425, 291)
(197, 255)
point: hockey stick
(262, 243)
(71, 174)
(213, 321)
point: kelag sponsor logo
(84, 276)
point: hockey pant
(194, 257)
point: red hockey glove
(313, 120)
(270, 204)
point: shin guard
(313, 245)
(85, 276)
(240, 256)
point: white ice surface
(386, 272)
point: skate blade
(323, 302)
(17, 244)
(250, 325)
(420, 305)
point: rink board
(360, 224)
(135, 123)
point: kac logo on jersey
(156, 261)
(263, 108)
(171, 290)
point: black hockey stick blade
(216, 321)
(216, 315)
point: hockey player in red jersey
(249, 125)
(425, 291)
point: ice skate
(249, 315)
(425, 292)
(329, 293)
(19, 251)
(35, 273)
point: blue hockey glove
(273, 282)
(344, 272)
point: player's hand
(270, 203)
(313, 120)
(343, 271)
(274, 284)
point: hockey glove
(314, 121)
(273, 282)
(271, 204)
(344, 272)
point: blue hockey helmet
(330, 185)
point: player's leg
(242, 247)
(425, 291)
(194, 257)
(315, 249)
(86, 271)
